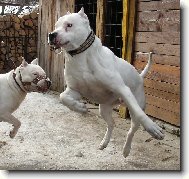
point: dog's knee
(17, 124)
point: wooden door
(158, 30)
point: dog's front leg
(12, 120)
(70, 98)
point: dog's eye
(35, 74)
(69, 25)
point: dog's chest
(83, 79)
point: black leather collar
(88, 42)
(14, 77)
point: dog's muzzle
(52, 41)
(39, 84)
(42, 84)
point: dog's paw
(103, 144)
(101, 147)
(126, 151)
(81, 108)
(12, 134)
(154, 130)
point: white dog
(93, 71)
(15, 85)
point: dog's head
(31, 77)
(71, 30)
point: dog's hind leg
(106, 113)
(12, 120)
(70, 98)
(140, 97)
(134, 127)
(152, 128)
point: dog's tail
(147, 67)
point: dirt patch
(52, 137)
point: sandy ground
(52, 137)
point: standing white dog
(15, 85)
(93, 71)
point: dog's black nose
(52, 36)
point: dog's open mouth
(55, 46)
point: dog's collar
(14, 77)
(88, 42)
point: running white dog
(93, 71)
(15, 85)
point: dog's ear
(82, 13)
(68, 13)
(35, 61)
(24, 63)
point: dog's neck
(88, 42)
(17, 83)
(13, 85)
(16, 76)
